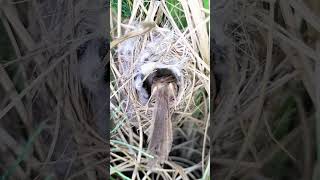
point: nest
(137, 60)
(157, 47)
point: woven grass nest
(146, 42)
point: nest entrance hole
(160, 72)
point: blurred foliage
(199, 99)
(27, 149)
(176, 10)
(6, 50)
(174, 7)
(285, 115)
(126, 7)
(206, 4)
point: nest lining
(146, 55)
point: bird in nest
(164, 91)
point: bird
(164, 91)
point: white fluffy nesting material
(139, 56)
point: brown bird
(164, 89)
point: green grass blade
(25, 151)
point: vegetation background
(48, 112)
(266, 116)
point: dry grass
(47, 129)
(187, 46)
(266, 109)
